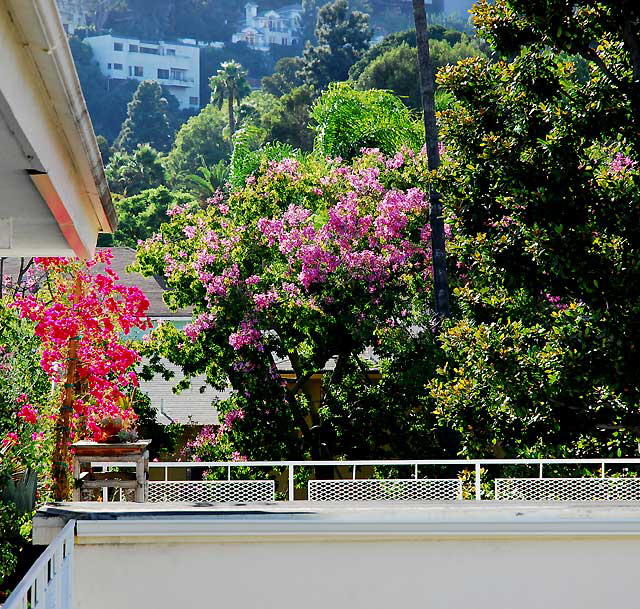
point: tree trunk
(232, 120)
(61, 455)
(427, 90)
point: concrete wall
(384, 560)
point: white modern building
(175, 65)
(281, 27)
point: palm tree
(231, 83)
(427, 90)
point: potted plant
(117, 428)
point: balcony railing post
(292, 490)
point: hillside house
(261, 30)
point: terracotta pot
(111, 430)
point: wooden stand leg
(77, 495)
(140, 480)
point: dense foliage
(131, 173)
(342, 36)
(25, 398)
(542, 184)
(349, 120)
(141, 215)
(147, 120)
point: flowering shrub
(25, 398)
(313, 259)
(80, 322)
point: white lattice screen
(223, 491)
(567, 489)
(385, 490)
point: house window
(163, 73)
(117, 46)
(149, 51)
(108, 66)
(138, 71)
(171, 51)
(177, 74)
(133, 48)
(193, 101)
(117, 66)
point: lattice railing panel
(567, 489)
(223, 491)
(385, 490)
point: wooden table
(95, 453)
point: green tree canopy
(396, 70)
(342, 38)
(289, 122)
(130, 174)
(349, 120)
(147, 120)
(230, 84)
(542, 184)
(199, 142)
(140, 216)
(285, 77)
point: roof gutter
(80, 129)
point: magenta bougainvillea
(93, 309)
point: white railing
(389, 489)
(221, 491)
(49, 582)
(477, 477)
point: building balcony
(177, 82)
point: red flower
(28, 413)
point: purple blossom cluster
(367, 236)
(621, 163)
(232, 416)
(555, 301)
(246, 336)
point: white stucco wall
(386, 561)
(432, 574)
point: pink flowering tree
(80, 320)
(302, 272)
